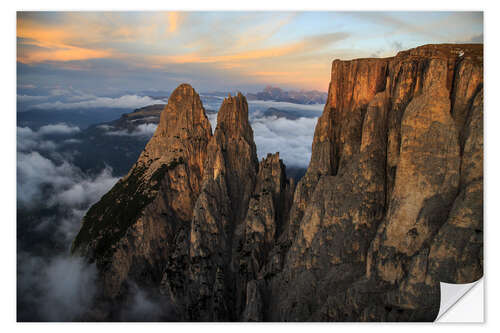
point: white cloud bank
(145, 130)
(28, 140)
(291, 138)
(59, 288)
(125, 102)
(263, 105)
(86, 190)
(66, 183)
(58, 129)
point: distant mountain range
(299, 97)
(146, 115)
(273, 112)
(81, 117)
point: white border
(8, 202)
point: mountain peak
(154, 200)
(232, 118)
(184, 89)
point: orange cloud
(161, 40)
(260, 33)
(68, 53)
(305, 46)
(250, 55)
(309, 78)
(51, 44)
(174, 20)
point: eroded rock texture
(390, 205)
(132, 231)
(376, 216)
(220, 210)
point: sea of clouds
(52, 285)
(69, 98)
(125, 101)
(291, 138)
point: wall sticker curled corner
(462, 303)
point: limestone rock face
(228, 182)
(425, 187)
(267, 212)
(338, 132)
(391, 203)
(427, 176)
(264, 224)
(254, 304)
(375, 219)
(129, 232)
(456, 254)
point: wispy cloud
(260, 47)
(28, 139)
(144, 130)
(126, 101)
(308, 45)
(38, 42)
(174, 21)
(60, 288)
(58, 129)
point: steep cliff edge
(390, 205)
(377, 221)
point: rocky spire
(234, 136)
(130, 231)
(228, 183)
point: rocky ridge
(390, 205)
(279, 95)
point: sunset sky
(114, 53)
